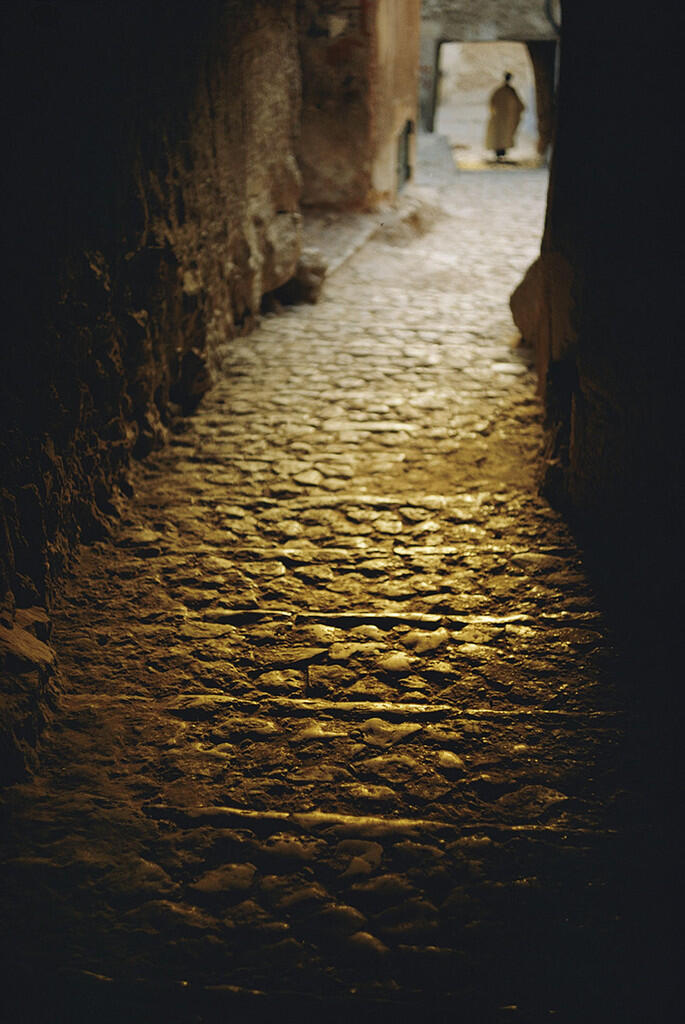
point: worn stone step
(207, 705)
(245, 616)
(385, 620)
(301, 821)
(340, 499)
(369, 426)
(367, 825)
(429, 549)
(301, 553)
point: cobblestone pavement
(339, 731)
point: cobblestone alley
(339, 733)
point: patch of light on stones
(344, 747)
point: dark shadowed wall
(601, 307)
(150, 198)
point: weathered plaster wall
(394, 88)
(334, 150)
(151, 197)
(359, 75)
(600, 307)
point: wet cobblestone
(340, 726)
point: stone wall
(359, 75)
(151, 198)
(394, 89)
(334, 151)
(600, 306)
(469, 74)
(464, 21)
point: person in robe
(505, 113)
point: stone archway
(468, 75)
(535, 23)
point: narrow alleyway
(339, 728)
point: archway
(468, 73)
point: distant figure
(505, 113)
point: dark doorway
(403, 163)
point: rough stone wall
(359, 74)
(334, 151)
(462, 20)
(543, 58)
(600, 308)
(150, 199)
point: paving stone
(420, 642)
(285, 682)
(393, 767)
(450, 761)
(229, 878)
(382, 891)
(362, 794)
(303, 897)
(396, 662)
(367, 945)
(343, 652)
(291, 655)
(170, 918)
(317, 731)
(379, 733)
(338, 919)
(338, 708)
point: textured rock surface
(490, 19)
(153, 198)
(27, 684)
(359, 71)
(339, 732)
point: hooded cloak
(505, 113)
